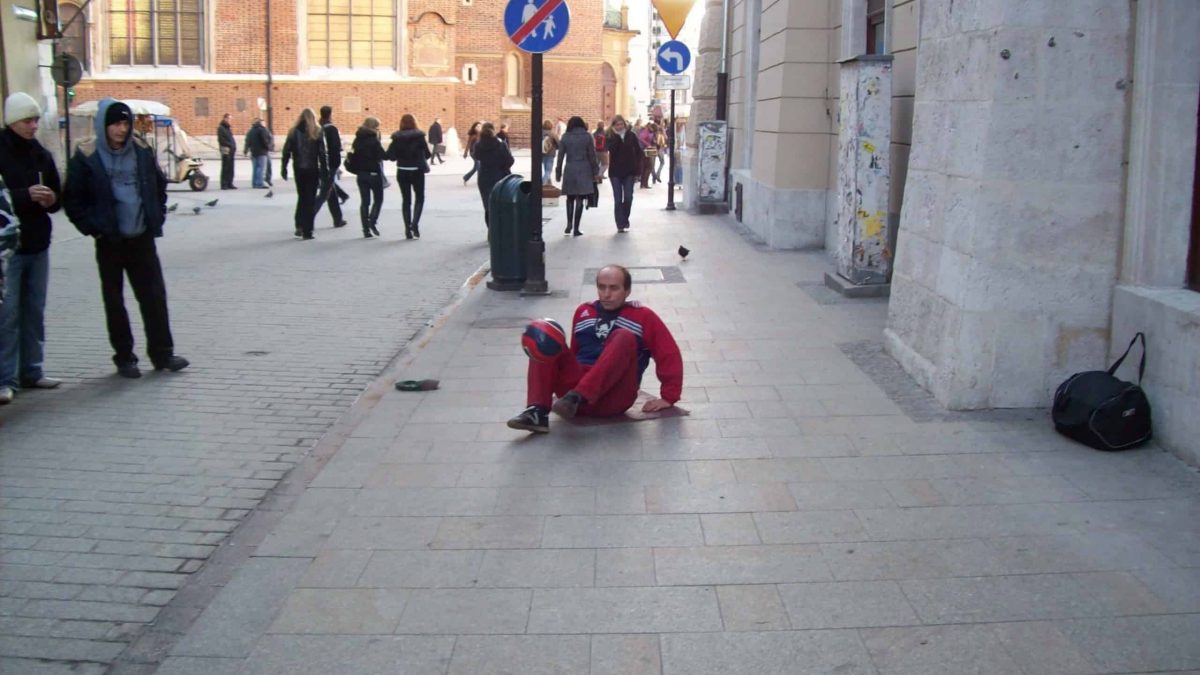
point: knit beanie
(117, 112)
(20, 106)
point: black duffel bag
(1099, 410)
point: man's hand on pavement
(656, 404)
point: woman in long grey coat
(577, 151)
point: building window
(352, 33)
(876, 33)
(470, 73)
(75, 38)
(156, 32)
(512, 76)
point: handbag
(349, 163)
(1101, 411)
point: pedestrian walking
(306, 143)
(578, 170)
(331, 192)
(601, 149)
(625, 160)
(495, 162)
(410, 151)
(437, 141)
(660, 146)
(549, 149)
(502, 134)
(257, 145)
(560, 127)
(227, 144)
(365, 160)
(117, 194)
(469, 150)
(31, 181)
(649, 151)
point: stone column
(864, 251)
(1010, 229)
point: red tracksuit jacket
(654, 342)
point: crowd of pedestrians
(115, 192)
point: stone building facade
(1042, 161)
(433, 58)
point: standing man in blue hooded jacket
(117, 194)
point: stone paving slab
(113, 492)
(805, 518)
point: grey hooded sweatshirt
(121, 166)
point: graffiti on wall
(713, 144)
(864, 254)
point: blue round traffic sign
(536, 26)
(674, 57)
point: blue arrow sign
(674, 57)
(536, 26)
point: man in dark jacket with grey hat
(117, 194)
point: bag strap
(1141, 366)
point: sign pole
(671, 158)
(535, 251)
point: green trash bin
(508, 232)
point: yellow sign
(673, 14)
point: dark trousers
(622, 187)
(412, 194)
(307, 185)
(136, 258)
(370, 196)
(334, 199)
(227, 170)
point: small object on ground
(270, 193)
(683, 252)
(212, 203)
(171, 208)
(196, 210)
(534, 418)
(417, 385)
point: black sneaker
(534, 418)
(129, 370)
(567, 406)
(340, 223)
(173, 364)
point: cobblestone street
(113, 491)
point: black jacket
(435, 133)
(495, 162)
(408, 148)
(333, 144)
(20, 163)
(89, 200)
(258, 140)
(307, 153)
(225, 138)
(368, 152)
(624, 156)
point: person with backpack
(366, 162)
(549, 149)
(601, 149)
(410, 151)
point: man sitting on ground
(599, 376)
